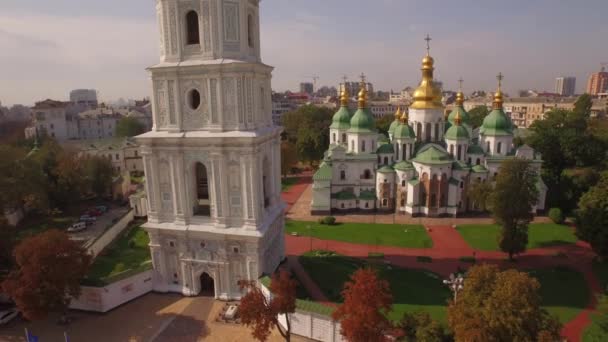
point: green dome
(433, 154)
(464, 116)
(341, 120)
(362, 122)
(496, 123)
(385, 148)
(457, 132)
(404, 131)
(393, 126)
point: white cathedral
(212, 159)
(426, 165)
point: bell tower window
(250, 31)
(194, 99)
(203, 204)
(192, 30)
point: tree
(420, 326)
(99, 173)
(592, 217)
(49, 267)
(499, 305)
(289, 157)
(22, 182)
(363, 315)
(8, 236)
(477, 114)
(129, 127)
(308, 128)
(261, 313)
(479, 192)
(384, 123)
(514, 196)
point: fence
(109, 235)
(106, 298)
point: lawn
(485, 236)
(399, 235)
(288, 182)
(412, 290)
(564, 291)
(128, 254)
(595, 333)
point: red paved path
(292, 195)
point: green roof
(362, 122)
(324, 173)
(367, 195)
(393, 125)
(496, 124)
(386, 169)
(433, 154)
(464, 116)
(414, 181)
(344, 195)
(458, 165)
(475, 149)
(479, 169)
(341, 120)
(403, 166)
(385, 148)
(457, 132)
(383, 139)
(404, 131)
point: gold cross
(499, 77)
(428, 43)
(460, 84)
(362, 77)
(344, 78)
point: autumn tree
(499, 305)
(512, 200)
(49, 267)
(592, 217)
(289, 157)
(419, 326)
(367, 301)
(262, 313)
(480, 192)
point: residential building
(565, 86)
(84, 97)
(598, 82)
(122, 152)
(99, 123)
(307, 88)
(212, 160)
(425, 167)
(50, 117)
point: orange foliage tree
(367, 300)
(49, 267)
(261, 313)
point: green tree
(592, 217)
(308, 128)
(129, 127)
(8, 236)
(419, 326)
(497, 305)
(477, 115)
(480, 192)
(514, 195)
(22, 182)
(289, 157)
(384, 123)
(99, 174)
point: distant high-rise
(565, 85)
(85, 97)
(353, 88)
(598, 82)
(307, 87)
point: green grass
(412, 290)
(601, 272)
(399, 235)
(595, 333)
(287, 183)
(564, 291)
(485, 236)
(119, 259)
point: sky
(48, 48)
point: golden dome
(459, 98)
(344, 97)
(498, 97)
(398, 113)
(404, 116)
(427, 95)
(362, 98)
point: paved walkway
(448, 248)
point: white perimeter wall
(109, 235)
(103, 299)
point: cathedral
(425, 165)
(212, 159)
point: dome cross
(428, 44)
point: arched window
(499, 147)
(379, 160)
(419, 131)
(266, 182)
(363, 146)
(373, 145)
(403, 183)
(342, 175)
(488, 147)
(352, 145)
(427, 132)
(385, 160)
(459, 152)
(250, 27)
(194, 99)
(469, 161)
(333, 137)
(192, 32)
(344, 138)
(203, 204)
(452, 149)
(478, 161)
(367, 174)
(404, 152)
(437, 132)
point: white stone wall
(434, 117)
(109, 235)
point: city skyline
(107, 46)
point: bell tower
(212, 159)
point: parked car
(94, 212)
(8, 315)
(102, 208)
(87, 218)
(77, 227)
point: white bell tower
(212, 159)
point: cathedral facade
(425, 166)
(212, 159)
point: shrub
(556, 215)
(328, 220)
(131, 244)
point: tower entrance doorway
(207, 285)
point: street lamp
(455, 283)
